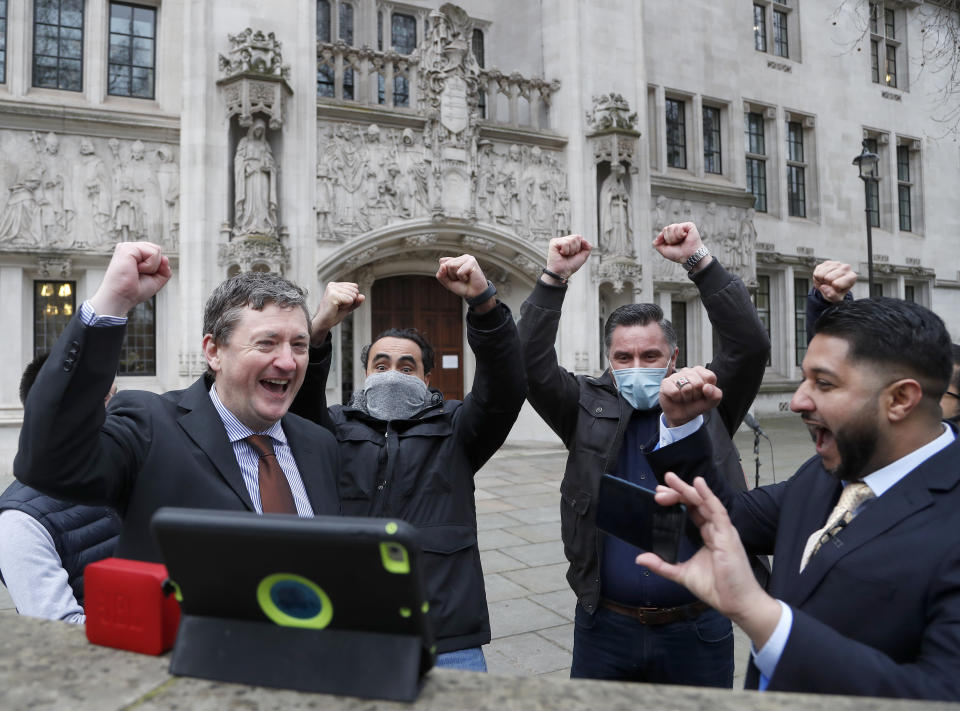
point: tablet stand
(331, 661)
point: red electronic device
(128, 607)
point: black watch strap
(484, 296)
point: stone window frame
(878, 208)
(768, 16)
(913, 182)
(711, 153)
(33, 51)
(49, 302)
(805, 167)
(141, 335)
(756, 154)
(4, 6)
(153, 66)
(887, 23)
(681, 125)
(800, 316)
(771, 156)
(335, 30)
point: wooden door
(420, 302)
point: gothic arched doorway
(422, 303)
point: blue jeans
(467, 659)
(697, 652)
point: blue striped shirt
(249, 459)
(247, 456)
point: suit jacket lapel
(822, 495)
(908, 496)
(305, 456)
(204, 426)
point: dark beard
(857, 444)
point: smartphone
(629, 512)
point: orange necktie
(275, 494)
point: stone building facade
(361, 139)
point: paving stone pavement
(518, 518)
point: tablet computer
(630, 512)
(308, 603)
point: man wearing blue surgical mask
(406, 452)
(631, 624)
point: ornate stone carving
(254, 52)
(479, 244)
(727, 231)
(424, 240)
(253, 253)
(80, 193)
(526, 265)
(363, 257)
(255, 77)
(616, 271)
(54, 267)
(611, 111)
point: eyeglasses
(956, 395)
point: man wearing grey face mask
(407, 452)
(629, 623)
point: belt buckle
(645, 615)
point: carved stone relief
(368, 177)
(83, 193)
(727, 231)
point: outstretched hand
(687, 393)
(340, 299)
(136, 272)
(833, 280)
(678, 242)
(719, 573)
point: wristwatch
(694, 259)
(483, 296)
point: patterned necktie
(275, 494)
(853, 495)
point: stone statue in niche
(255, 184)
(168, 183)
(508, 209)
(128, 198)
(615, 224)
(561, 214)
(730, 244)
(94, 185)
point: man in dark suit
(864, 598)
(190, 447)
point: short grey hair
(253, 289)
(639, 315)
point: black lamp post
(867, 163)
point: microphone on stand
(751, 422)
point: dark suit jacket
(877, 610)
(150, 450)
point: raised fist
(687, 393)
(136, 272)
(833, 280)
(677, 242)
(565, 255)
(340, 299)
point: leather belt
(656, 615)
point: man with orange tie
(226, 442)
